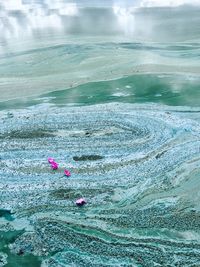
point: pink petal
(67, 173)
(80, 202)
(50, 160)
(54, 165)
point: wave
(48, 68)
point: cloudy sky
(150, 3)
(23, 4)
(22, 18)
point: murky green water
(119, 106)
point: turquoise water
(168, 89)
(117, 105)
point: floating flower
(50, 160)
(80, 202)
(54, 165)
(67, 173)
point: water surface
(112, 93)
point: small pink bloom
(54, 165)
(80, 202)
(50, 160)
(67, 173)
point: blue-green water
(117, 104)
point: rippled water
(119, 106)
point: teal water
(117, 105)
(167, 89)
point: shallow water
(120, 108)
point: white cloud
(13, 5)
(125, 18)
(154, 3)
(68, 9)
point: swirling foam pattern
(137, 166)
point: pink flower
(54, 165)
(67, 173)
(50, 160)
(80, 202)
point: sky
(22, 18)
(150, 3)
(22, 4)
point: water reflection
(21, 19)
(50, 46)
(25, 19)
